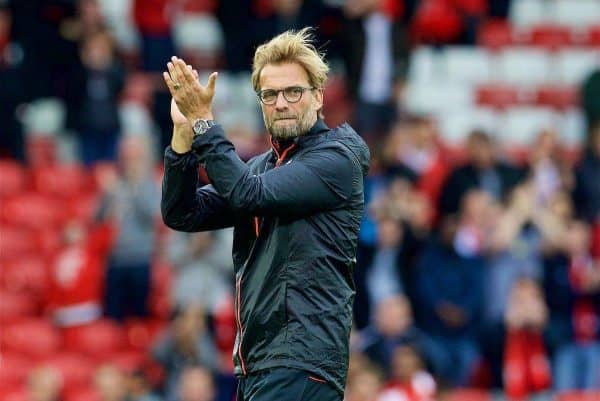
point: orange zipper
(239, 322)
(280, 159)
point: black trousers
(285, 384)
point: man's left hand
(193, 99)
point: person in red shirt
(154, 20)
(76, 273)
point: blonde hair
(291, 47)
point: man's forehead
(275, 76)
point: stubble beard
(303, 124)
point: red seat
(578, 396)
(15, 242)
(84, 394)
(15, 306)
(61, 180)
(467, 394)
(593, 36)
(497, 96)
(436, 21)
(84, 207)
(495, 34)
(138, 89)
(16, 394)
(200, 6)
(558, 97)
(41, 150)
(15, 368)
(96, 339)
(76, 370)
(48, 239)
(127, 361)
(472, 7)
(141, 334)
(33, 210)
(550, 37)
(26, 274)
(35, 338)
(160, 305)
(12, 178)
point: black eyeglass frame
(277, 91)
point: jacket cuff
(181, 160)
(203, 143)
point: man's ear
(318, 94)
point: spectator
(43, 384)
(572, 286)
(283, 15)
(110, 383)
(590, 90)
(587, 183)
(130, 202)
(393, 325)
(154, 20)
(450, 287)
(408, 380)
(204, 271)
(76, 275)
(12, 90)
(549, 173)
(383, 280)
(90, 18)
(138, 388)
(376, 59)
(187, 343)
(482, 170)
(364, 384)
(514, 251)
(196, 384)
(235, 19)
(526, 362)
(93, 92)
(413, 146)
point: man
(296, 210)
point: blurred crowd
(478, 265)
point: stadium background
(478, 265)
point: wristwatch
(201, 126)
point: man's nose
(281, 103)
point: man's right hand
(181, 141)
(176, 115)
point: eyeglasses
(292, 94)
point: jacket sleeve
(184, 206)
(320, 180)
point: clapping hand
(176, 116)
(193, 100)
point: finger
(194, 72)
(190, 76)
(212, 80)
(173, 73)
(169, 82)
(184, 74)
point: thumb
(212, 79)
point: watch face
(200, 127)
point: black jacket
(294, 286)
